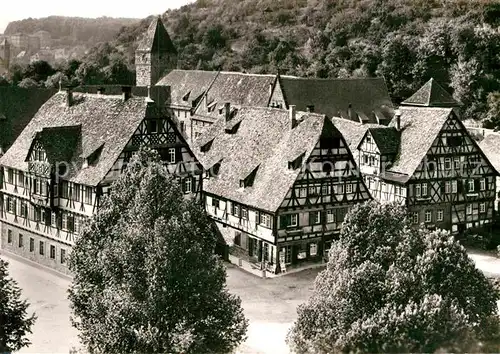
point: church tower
(155, 55)
(5, 53)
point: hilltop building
(65, 159)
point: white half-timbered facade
(56, 172)
(279, 184)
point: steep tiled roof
(237, 88)
(187, 86)
(367, 96)
(264, 140)
(156, 39)
(17, 107)
(104, 120)
(419, 128)
(386, 138)
(352, 131)
(59, 143)
(491, 148)
(431, 94)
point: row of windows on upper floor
(438, 215)
(241, 211)
(452, 187)
(58, 218)
(41, 246)
(329, 216)
(458, 163)
(325, 189)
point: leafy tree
(56, 79)
(146, 279)
(28, 83)
(391, 288)
(14, 320)
(493, 114)
(39, 71)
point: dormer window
(249, 180)
(297, 163)
(186, 96)
(152, 126)
(211, 107)
(206, 147)
(233, 129)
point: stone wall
(24, 249)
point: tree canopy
(146, 279)
(392, 288)
(15, 323)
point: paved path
(269, 304)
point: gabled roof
(386, 138)
(104, 120)
(490, 146)
(419, 128)
(431, 94)
(59, 143)
(18, 106)
(156, 39)
(366, 96)
(239, 89)
(187, 86)
(353, 132)
(265, 139)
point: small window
(439, 215)
(454, 187)
(482, 185)
(414, 217)
(32, 244)
(20, 178)
(424, 189)
(330, 216)
(21, 241)
(315, 217)
(152, 126)
(294, 220)
(188, 185)
(469, 209)
(215, 202)
(171, 155)
(10, 175)
(428, 216)
(482, 207)
(52, 252)
(325, 190)
(88, 195)
(41, 250)
(348, 188)
(418, 190)
(265, 220)
(9, 236)
(313, 249)
(63, 256)
(470, 184)
(53, 219)
(244, 213)
(447, 187)
(447, 163)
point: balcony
(39, 168)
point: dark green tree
(15, 323)
(146, 279)
(389, 287)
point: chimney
(397, 117)
(310, 108)
(227, 111)
(126, 93)
(292, 112)
(69, 97)
(100, 91)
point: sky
(84, 8)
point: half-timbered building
(279, 183)
(56, 172)
(426, 159)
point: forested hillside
(72, 31)
(407, 41)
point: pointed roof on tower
(156, 39)
(431, 94)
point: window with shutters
(10, 175)
(428, 216)
(88, 195)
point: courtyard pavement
(269, 304)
